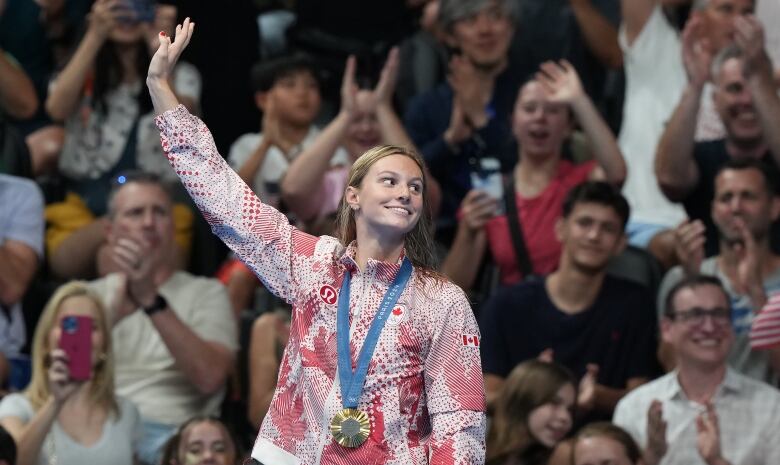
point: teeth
(399, 210)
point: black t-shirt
(618, 332)
(709, 157)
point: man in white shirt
(703, 412)
(174, 336)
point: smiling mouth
(400, 210)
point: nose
(404, 192)
(563, 415)
(148, 218)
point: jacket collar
(382, 271)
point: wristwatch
(158, 305)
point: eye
(388, 181)
(416, 188)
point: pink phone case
(76, 341)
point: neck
(128, 54)
(699, 383)
(533, 174)
(743, 149)
(491, 71)
(573, 290)
(371, 246)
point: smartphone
(143, 11)
(76, 341)
(486, 177)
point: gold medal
(350, 427)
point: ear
(666, 330)
(352, 197)
(261, 100)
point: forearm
(17, 93)
(600, 35)
(203, 364)
(767, 103)
(30, 442)
(76, 256)
(462, 262)
(674, 164)
(163, 97)
(605, 147)
(304, 176)
(248, 170)
(67, 90)
(15, 276)
(262, 387)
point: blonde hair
(101, 390)
(419, 247)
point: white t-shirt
(146, 372)
(116, 445)
(269, 175)
(655, 78)
(768, 12)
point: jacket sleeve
(455, 388)
(260, 235)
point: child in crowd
(605, 443)
(532, 415)
(201, 441)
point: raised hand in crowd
(656, 434)
(586, 394)
(561, 82)
(749, 37)
(749, 278)
(708, 437)
(61, 385)
(697, 52)
(689, 245)
(162, 64)
(472, 92)
(477, 208)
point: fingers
(349, 73)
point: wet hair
(170, 451)
(418, 244)
(452, 11)
(741, 164)
(598, 192)
(605, 429)
(134, 177)
(530, 385)
(692, 282)
(267, 73)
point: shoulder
(625, 289)
(17, 189)
(639, 399)
(16, 405)
(524, 293)
(128, 411)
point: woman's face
(363, 133)
(204, 443)
(540, 126)
(80, 305)
(600, 450)
(550, 422)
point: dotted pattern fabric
(424, 391)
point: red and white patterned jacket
(424, 391)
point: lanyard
(352, 383)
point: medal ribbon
(352, 383)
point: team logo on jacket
(328, 294)
(470, 340)
(397, 315)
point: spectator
(61, 419)
(604, 443)
(17, 94)
(312, 188)
(287, 92)
(109, 128)
(704, 412)
(533, 414)
(743, 208)
(467, 117)
(21, 250)
(175, 335)
(7, 448)
(200, 441)
(544, 115)
(746, 100)
(270, 333)
(600, 327)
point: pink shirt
(424, 390)
(537, 221)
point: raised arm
(462, 262)
(260, 235)
(17, 93)
(67, 89)
(563, 86)
(675, 167)
(760, 80)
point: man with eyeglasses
(743, 209)
(703, 412)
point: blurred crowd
(603, 178)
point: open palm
(560, 81)
(168, 53)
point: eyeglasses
(696, 316)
